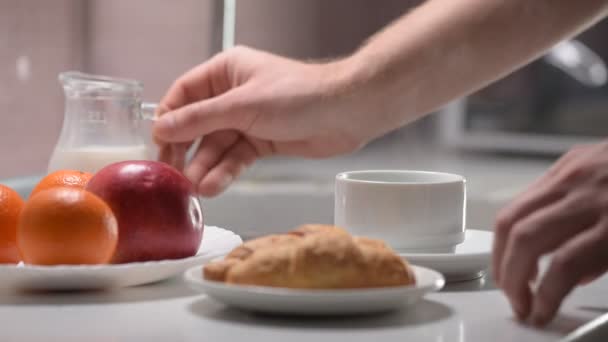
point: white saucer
(216, 242)
(469, 260)
(317, 302)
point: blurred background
(500, 138)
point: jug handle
(148, 111)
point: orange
(66, 226)
(10, 208)
(68, 178)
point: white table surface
(171, 311)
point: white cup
(412, 211)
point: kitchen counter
(271, 196)
(170, 311)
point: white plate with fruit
(131, 223)
(216, 242)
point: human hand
(563, 213)
(249, 104)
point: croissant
(312, 257)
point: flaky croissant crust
(312, 257)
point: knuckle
(238, 51)
(562, 264)
(193, 116)
(600, 176)
(547, 298)
(581, 198)
(522, 236)
(577, 149)
(503, 222)
(572, 152)
(577, 173)
(602, 239)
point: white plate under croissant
(318, 302)
(314, 269)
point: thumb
(201, 118)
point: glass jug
(102, 123)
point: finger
(550, 188)
(174, 154)
(570, 168)
(534, 273)
(519, 208)
(209, 153)
(568, 158)
(161, 110)
(200, 118)
(204, 81)
(592, 277)
(178, 154)
(164, 153)
(584, 255)
(547, 188)
(537, 234)
(239, 157)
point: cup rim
(446, 177)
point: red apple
(159, 216)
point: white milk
(93, 158)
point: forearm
(446, 49)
